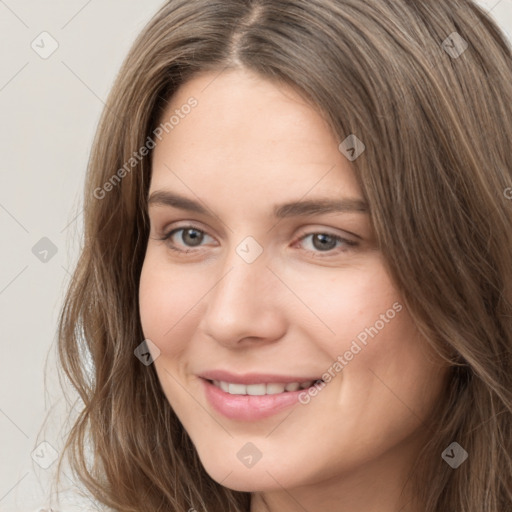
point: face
(261, 275)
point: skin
(248, 145)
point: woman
(296, 286)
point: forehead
(251, 135)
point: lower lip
(248, 407)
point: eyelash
(322, 254)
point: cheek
(153, 297)
(166, 306)
(381, 366)
(166, 298)
(392, 381)
(357, 308)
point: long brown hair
(427, 86)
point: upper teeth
(260, 389)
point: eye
(319, 242)
(327, 242)
(190, 237)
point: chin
(243, 480)
(248, 479)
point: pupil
(195, 239)
(322, 238)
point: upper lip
(254, 378)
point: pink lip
(248, 407)
(254, 378)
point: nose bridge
(240, 303)
(241, 283)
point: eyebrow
(281, 211)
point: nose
(245, 304)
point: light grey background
(50, 108)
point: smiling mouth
(263, 388)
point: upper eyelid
(327, 230)
(307, 232)
(184, 228)
(153, 220)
